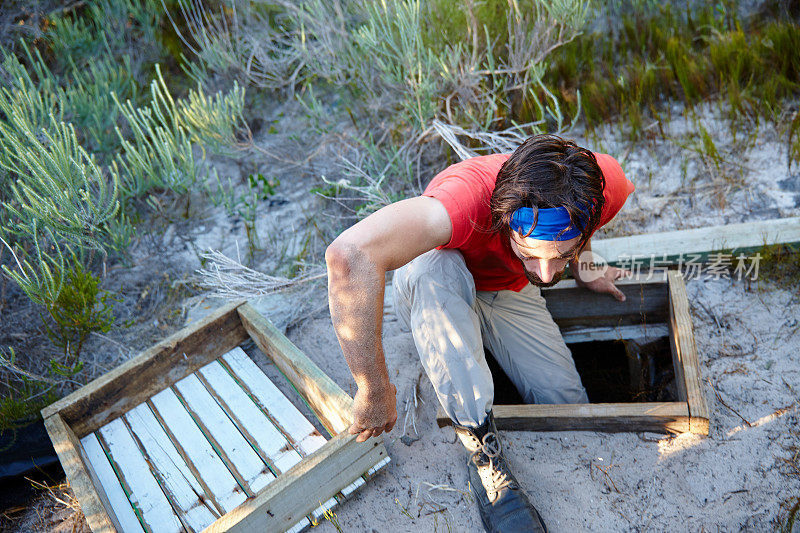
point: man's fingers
(364, 435)
(617, 293)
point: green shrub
(80, 308)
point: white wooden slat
(383, 462)
(352, 487)
(146, 494)
(255, 473)
(671, 245)
(320, 511)
(637, 331)
(282, 411)
(175, 476)
(311, 443)
(185, 432)
(120, 505)
(249, 417)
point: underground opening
(612, 371)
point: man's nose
(542, 268)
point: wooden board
(671, 417)
(612, 333)
(250, 471)
(82, 478)
(128, 385)
(685, 358)
(117, 499)
(646, 302)
(280, 410)
(135, 474)
(325, 472)
(329, 402)
(267, 440)
(195, 448)
(660, 309)
(170, 469)
(667, 246)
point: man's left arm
(597, 278)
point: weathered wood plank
(238, 454)
(82, 477)
(267, 440)
(685, 351)
(199, 454)
(612, 333)
(329, 402)
(170, 469)
(286, 416)
(670, 417)
(646, 302)
(669, 245)
(298, 492)
(108, 483)
(131, 383)
(145, 493)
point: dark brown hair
(548, 171)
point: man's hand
(602, 280)
(373, 413)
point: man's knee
(436, 268)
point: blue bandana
(548, 226)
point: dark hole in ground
(617, 371)
(26, 452)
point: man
(471, 253)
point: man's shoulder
(476, 174)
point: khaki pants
(451, 323)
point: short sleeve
(617, 189)
(465, 196)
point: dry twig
(734, 411)
(227, 278)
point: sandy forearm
(355, 293)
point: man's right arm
(357, 264)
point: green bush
(80, 308)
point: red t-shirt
(466, 188)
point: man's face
(543, 261)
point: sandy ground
(588, 481)
(747, 338)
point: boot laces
(494, 475)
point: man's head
(553, 178)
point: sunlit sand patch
(670, 445)
(761, 421)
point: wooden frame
(293, 495)
(698, 243)
(655, 305)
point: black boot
(503, 506)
